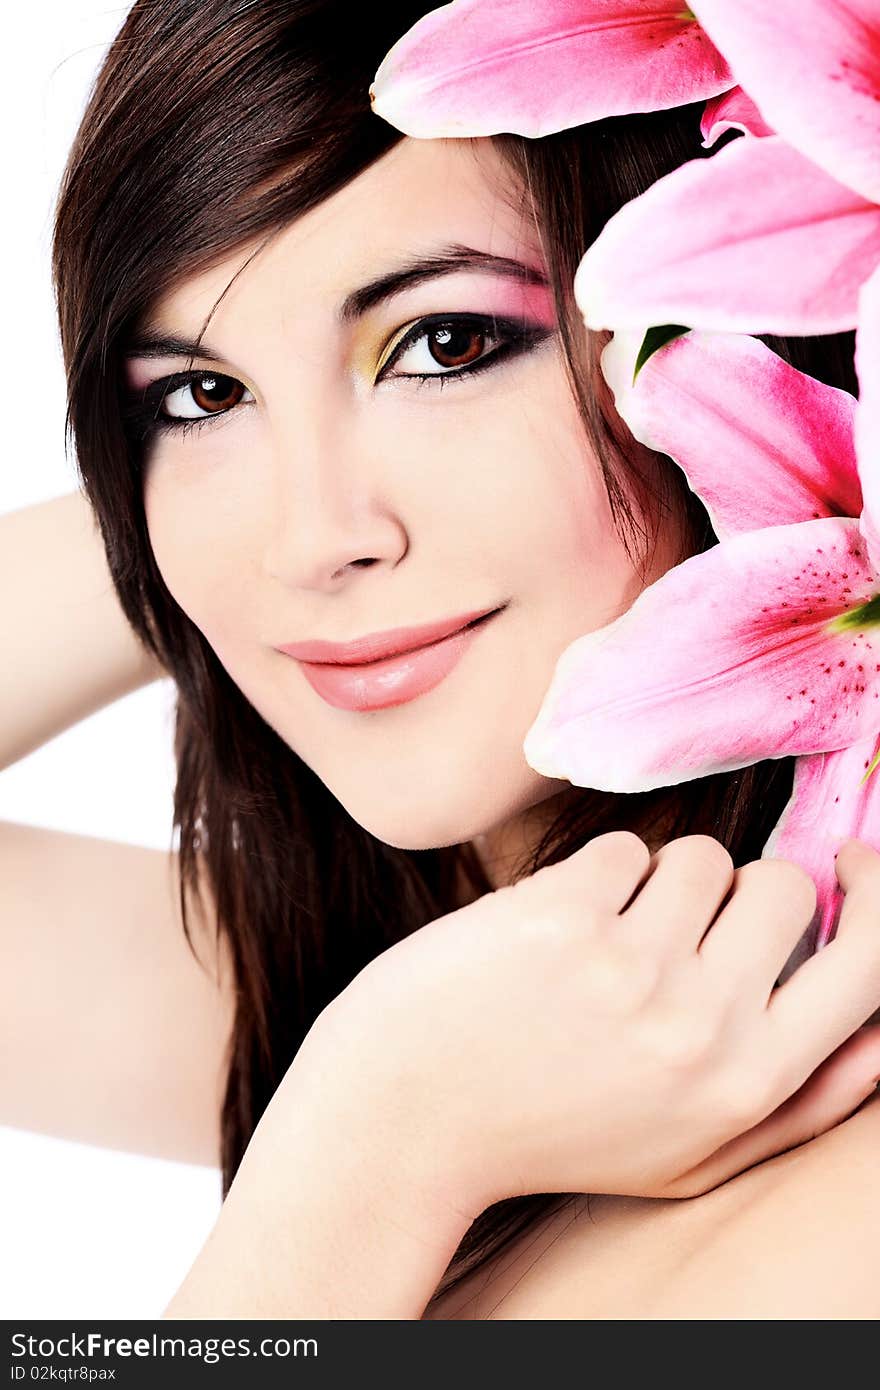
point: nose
(331, 514)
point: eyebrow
(445, 262)
(148, 342)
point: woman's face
(385, 438)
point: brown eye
(444, 348)
(453, 345)
(201, 397)
(215, 393)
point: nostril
(353, 564)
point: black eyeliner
(141, 411)
(519, 335)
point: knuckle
(684, 1042)
(863, 870)
(698, 856)
(618, 845)
(789, 880)
(705, 852)
(620, 981)
(531, 908)
(754, 869)
(861, 856)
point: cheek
(526, 476)
(501, 463)
(200, 544)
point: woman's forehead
(420, 197)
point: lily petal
(867, 426)
(725, 660)
(479, 67)
(755, 239)
(733, 110)
(829, 803)
(761, 444)
(814, 69)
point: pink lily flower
(830, 801)
(771, 235)
(777, 628)
(480, 67)
(813, 67)
(733, 110)
(756, 239)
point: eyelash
(516, 336)
(142, 413)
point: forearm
(323, 1220)
(68, 649)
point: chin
(409, 830)
(434, 821)
(414, 842)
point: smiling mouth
(375, 646)
(396, 679)
(468, 627)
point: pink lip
(377, 645)
(392, 679)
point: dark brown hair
(211, 124)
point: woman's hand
(599, 1027)
(609, 1025)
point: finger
(771, 905)
(837, 990)
(840, 1085)
(690, 878)
(858, 873)
(610, 868)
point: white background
(84, 1232)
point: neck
(503, 849)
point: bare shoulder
(801, 1238)
(796, 1237)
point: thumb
(854, 859)
(835, 1090)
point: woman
(413, 431)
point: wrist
(327, 1216)
(364, 1081)
(385, 1111)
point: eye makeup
(438, 347)
(469, 343)
(515, 313)
(141, 410)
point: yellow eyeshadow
(393, 343)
